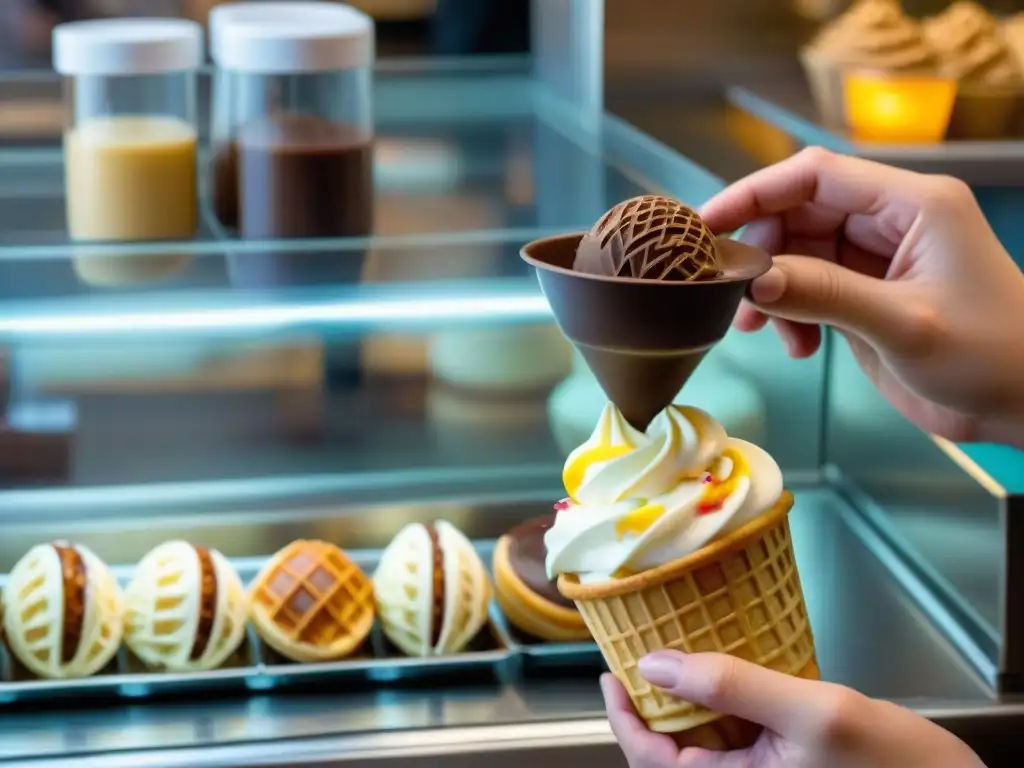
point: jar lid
(283, 37)
(127, 46)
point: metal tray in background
(541, 655)
(494, 654)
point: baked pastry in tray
(311, 603)
(432, 590)
(62, 611)
(185, 608)
(530, 600)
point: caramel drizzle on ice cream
(438, 605)
(75, 578)
(877, 34)
(207, 602)
(971, 46)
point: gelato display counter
(272, 393)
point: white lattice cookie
(432, 590)
(185, 608)
(63, 611)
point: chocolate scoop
(643, 338)
(649, 237)
(526, 556)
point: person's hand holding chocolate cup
(905, 266)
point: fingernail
(769, 287)
(662, 668)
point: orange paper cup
(883, 107)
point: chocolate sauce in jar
(224, 183)
(303, 176)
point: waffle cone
(312, 603)
(739, 595)
(529, 612)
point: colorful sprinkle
(562, 505)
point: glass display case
(337, 389)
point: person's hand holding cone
(653, 562)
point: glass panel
(946, 522)
(217, 360)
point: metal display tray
(498, 652)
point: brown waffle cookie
(312, 603)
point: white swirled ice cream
(638, 500)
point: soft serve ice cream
(638, 500)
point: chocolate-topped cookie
(528, 598)
(526, 555)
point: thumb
(811, 290)
(788, 705)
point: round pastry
(530, 600)
(312, 603)
(185, 608)
(62, 613)
(432, 590)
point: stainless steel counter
(869, 635)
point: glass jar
(130, 138)
(293, 119)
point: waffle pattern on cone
(36, 600)
(651, 237)
(745, 601)
(312, 603)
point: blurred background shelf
(788, 106)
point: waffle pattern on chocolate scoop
(313, 602)
(649, 237)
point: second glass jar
(293, 120)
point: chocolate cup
(642, 338)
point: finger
(866, 262)
(787, 705)
(814, 291)
(642, 748)
(814, 175)
(625, 724)
(694, 757)
(766, 234)
(749, 319)
(801, 340)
